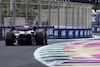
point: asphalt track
(22, 56)
(18, 56)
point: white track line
(37, 56)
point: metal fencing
(65, 15)
(70, 20)
(46, 12)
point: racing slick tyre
(46, 39)
(9, 39)
(40, 38)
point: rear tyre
(9, 40)
(46, 39)
(40, 38)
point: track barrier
(72, 33)
(55, 33)
(96, 29)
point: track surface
(21, 56)
(18, 56)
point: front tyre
(9, 39)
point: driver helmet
(26, 25)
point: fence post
(14, 12)
(83, 17)
(49, 13)
(27, 11)
(66, 15)
(86, 18)
(73, 15)
(0, 12)
(78, 15)
(86, 15)
(88, 8)
(39, 4)
(58, 14)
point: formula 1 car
(25, 35)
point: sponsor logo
(50, 31)
(88, 32)
(70, 33)
(56, 33)
(81, 33)
(76, 33)
(63, 33)
(98, 29)
(85, 33)
(92, 29)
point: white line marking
(38, 57)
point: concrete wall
(18, 21)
